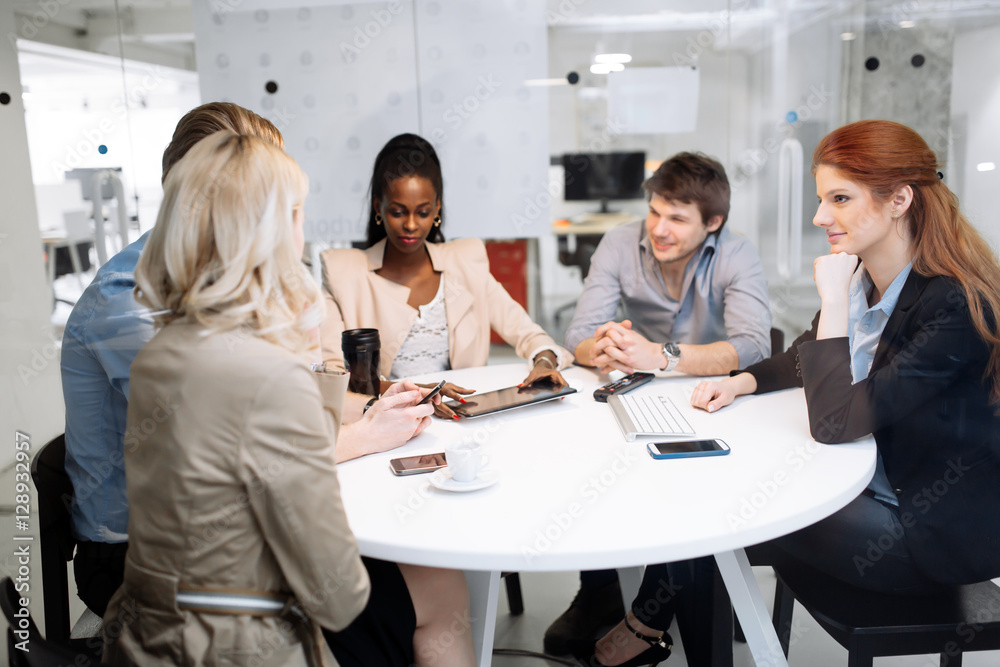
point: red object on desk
(509, 265)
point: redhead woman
(433, 302)
(239, 548)
(905, 347)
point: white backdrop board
(350, 76)
(654, 100)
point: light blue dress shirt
(723, 296)
(865, 325)
(105, 332)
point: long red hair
(883, 156)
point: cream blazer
(232, 486)
(475, 302)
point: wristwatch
(369, 404)
(672, 352)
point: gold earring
(895, 213)
(378, 219)
(437, 221)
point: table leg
(749, 605)
(484, 593)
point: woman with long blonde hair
(239, 548)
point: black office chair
(867, 624)
(580, 256)
(26, 647)
(56, 544)
(777, 341)
(55, 498)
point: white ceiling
(161, 31)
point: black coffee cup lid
(359, 337)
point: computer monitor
(604, 176)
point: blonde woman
(239, 549)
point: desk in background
(587, 230)
(570, 486)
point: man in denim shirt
(695, 301)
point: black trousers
(382, 635)
(99, 569)
(864, 545)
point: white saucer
(442, 479)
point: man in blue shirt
(695, 301)
(103, 335)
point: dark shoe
(658, 651)
(591, 610)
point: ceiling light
(847, 36)
(985, 166)
(907, 24)
(546, 82)
(606, 68)
(605, 58)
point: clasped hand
(618, 347)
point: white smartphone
(414, 465)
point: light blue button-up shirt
(105, 332)
(864, 330)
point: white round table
(574, 495)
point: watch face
(672, 349)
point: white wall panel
(351, 76)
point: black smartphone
(687, 448)
(434, 392)
(414, 465)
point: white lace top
(425, 349)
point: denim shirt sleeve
(116, 337)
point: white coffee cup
(465, 460)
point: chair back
(56, 542)
(25, 645)
(777, 341)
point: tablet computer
(490, 402)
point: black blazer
(927, 404)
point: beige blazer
(232, 486)
(474, 301)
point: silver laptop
(650, 415)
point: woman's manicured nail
(455, 417)
(461, 400)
